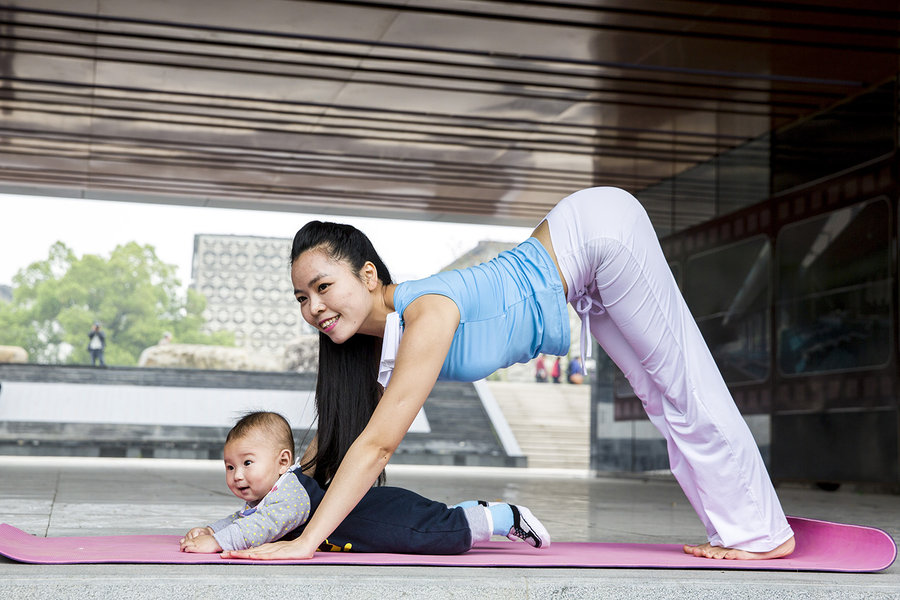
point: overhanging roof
(455, 110)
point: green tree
(133, 295)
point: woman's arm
(431, 322)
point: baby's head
(258, 450)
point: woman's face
(333, 298)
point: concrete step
(551, 422)
(529, 426)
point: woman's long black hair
(347, 388)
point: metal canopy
(485, 111)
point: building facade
(246, 282)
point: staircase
(551, 422)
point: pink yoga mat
(821, 546)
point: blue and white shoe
(527, 528)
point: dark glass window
(743, 175)
(695, 196)
(658, 202)
(839, 138)
(833, 308)
(728, 290)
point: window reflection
(728, 292)
(834, 301)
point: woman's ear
(285, 460)
(370, 276)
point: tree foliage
(133, 295)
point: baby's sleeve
(223, 523)
(282, 510)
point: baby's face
(252, 466)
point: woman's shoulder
(408, 291)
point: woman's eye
(322, 287)
(301, 299)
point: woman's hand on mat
(294, 549)
(201, 544)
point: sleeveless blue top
(511, 309)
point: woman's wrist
(306, 545)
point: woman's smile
(329, 324)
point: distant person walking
(96, 345)
(576, 371)
(540, 370)
(556, 371)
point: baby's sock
(501, 518)
(487, 518)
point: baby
(279, 500)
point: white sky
(29, 225)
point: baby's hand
(197, 531)
(203, 544)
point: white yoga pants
(621, 285)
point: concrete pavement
(96, 496)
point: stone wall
(300, 355)
(197, 356)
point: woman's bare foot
(709, 551)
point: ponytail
(347, 392)
(347, 389)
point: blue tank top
(511, 309)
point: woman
(597, 250)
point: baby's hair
(273, 425)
